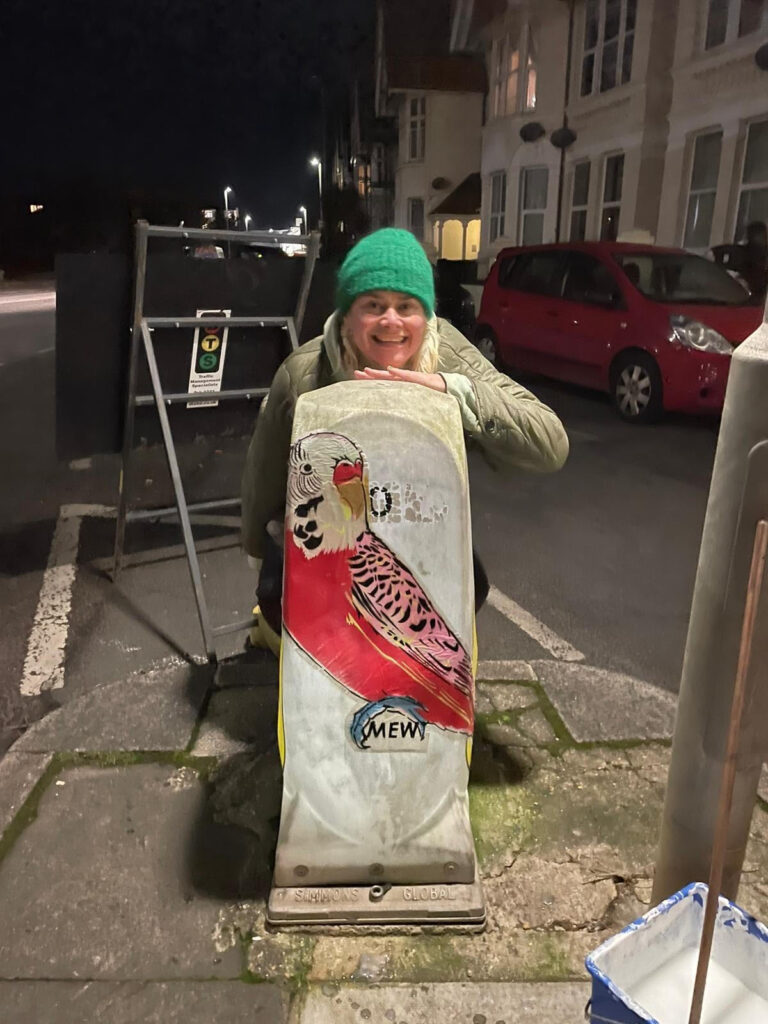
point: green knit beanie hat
(387, 260)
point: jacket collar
(332, 346)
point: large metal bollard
(738, 499)
(376, 706)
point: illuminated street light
(303, 212)
(248, 220)
(227, 190)
(317, 162)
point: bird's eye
(306, 468)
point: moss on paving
(502, 953)
(564, 738)
(27, 813)
(281, 956)
(502, 819)
(201, 716)
(126, 758)
(550, 960)
(430, 958)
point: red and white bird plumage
(352, 604)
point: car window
(681, 277)
(589, 280)
(506, 266)
(540, 273)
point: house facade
(434, 101)
(667, 108)
(716, 167)
(439, 104)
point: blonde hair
(425, 360)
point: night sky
(188, 94)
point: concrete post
(738, 498)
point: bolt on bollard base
(377, 664)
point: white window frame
(524, 212)
(701, 191)
(579, 207)
(499, 209)
(378, 165)
(412, 201)
(732, 24)
(752, 186)
(416, 128)
(606, 204)
(512, 62)
(597, 50)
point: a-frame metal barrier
(141, 338)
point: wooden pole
(729, 768)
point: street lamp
(227, 190)
(317, 162)
(303, 212)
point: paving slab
(533, 724)
(165, 1002)
(503, 697)
(537, 893)
(238, 718)
(119, 877)
(598, 705)
(509, 671)
(156, 711)
(489, 1003)
(19, 774)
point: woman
(385, 328)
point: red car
(654, 327)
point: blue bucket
(644, 975)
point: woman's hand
(427, 380)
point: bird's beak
(352, 494)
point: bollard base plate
(378, 905)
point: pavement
(137, 822)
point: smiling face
(386, 328)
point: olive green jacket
(512, 428)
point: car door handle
(504, 305)
(553, 312)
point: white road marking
(529, 624)
(46, 647)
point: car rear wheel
(487, 346)
(636, 388)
